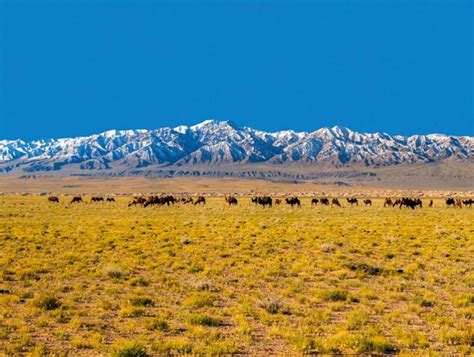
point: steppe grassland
(105, 278)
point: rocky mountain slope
(222, 143)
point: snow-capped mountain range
(223, 142)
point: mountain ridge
(214, 143)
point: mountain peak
(341, 131)
(215, 123)
(204, 123)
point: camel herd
(165, 200)
(459, 203)
(78, 199)
(268, 201)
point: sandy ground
(211, 186)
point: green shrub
(205, 320)
(364, 268)
(337, 295)
(157, 325)
(131, 312)
(141, 301)
(376, 344)
(424, 302)
(48, 302)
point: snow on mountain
(214, 142)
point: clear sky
(73, 68)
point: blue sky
(78, 67)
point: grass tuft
(48, 302)
(129, 349)
(205, 320)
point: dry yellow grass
(95, 279)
